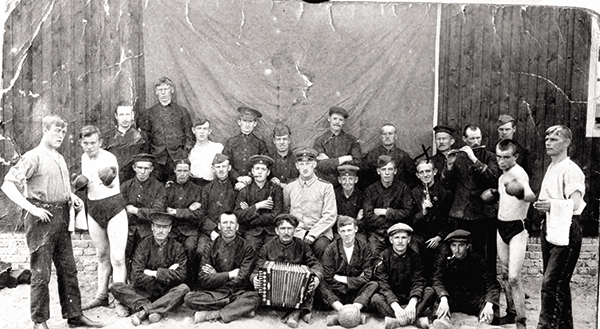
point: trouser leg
(133, 298)
(66, 273)
(379, 303)
(243, 303)
(169, 301)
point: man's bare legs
(512, 256)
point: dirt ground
(14, 311)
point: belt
(49, 205)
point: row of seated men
(347, 278)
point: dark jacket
(149, 196)
(217, 197)
(180, 197)
(295, 252)
(284, 168)
(224, 257)
(253, 220)
(239, 149)
(396, 199)
(336, 146)
(435, 222)
(400, 277)
(358, 271)
(404, 164)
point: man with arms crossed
(49, 196)
(561, 200)
(512, 236)
(107, 219)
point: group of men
(412, 242)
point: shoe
(41, 325)
(443, 323)
(332, 320)
(84, 321)
(202, 316)
(95, 303)
(508, 319)
(293, 319)
(306, 317)
(138, 317)
(154, 317)
(391, 323)
(121, 310)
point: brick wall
(13, 249)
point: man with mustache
(287, 248)
(444, 139)
(335, 147)
(226, 266)
(311, 200)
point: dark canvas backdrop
(292, 61)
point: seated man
(288, 249)
(402, 297)
(158, 270)
(464, 283)
(223, 280)
(259, 203)
(348, 198)
(203, 152)
(347, 269)
(284, 169)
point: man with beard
(284, 169)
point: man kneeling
(226, 265)
(158, 270)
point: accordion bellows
(283, 284)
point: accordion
(283, 284)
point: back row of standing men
(447, 193)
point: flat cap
(504, 119)
(248, 113)
(383, 160)
(261, 159)
(79, 182)
(458, 235)
(161, 218)
(399, 227)
(444, 129)
(305, 154)
(142, 157)
(338, 110)
(281, 130)
(219, 158)
(347, 170)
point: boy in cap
(403, 296)
(387, 201)
(241, 147)
(258, 204)
(312, 201)
(218, 197)
(335, 147)
(157, 275)
(284, 169)
(463, 283)
(203, 152)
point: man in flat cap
(468, 173)
(463, 283)
(157, 275)
(218, 197)
(284, 169)
(403, 296)
(203, 152)
(444, 139)
(312, 200)
(348, 198)
(258, 204)
(143, 194)
(241, 147)
(166, 127)
(507, 127)
(387, 202)
(405, 166)
(226, 266)
(335, 147)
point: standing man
(469, 171)
(284, 169)
(311, 200)
(507, 126)
(241, 147)
(259, 203)
(444, 139)
(203, 153)
(124, 141)
(157, 275)
(107, 218)
(166, 128)
(349, 199)
(48, 199)
(515, 196)
(405, 166)
(561, 200)
(226, 266)
(335, 147)
(387, 202)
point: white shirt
(201, 158)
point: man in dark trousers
(167, 128)
(157, 275)
(464, 283)
(44, 171)
(226, 266)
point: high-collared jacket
(335, 146)
(180, 197)
(399, 276)
(226, 256)
(239, 149)
(396, 198)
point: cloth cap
(305, 154)
(281, 130)
(248, 113)
(444, 129)
(219, 158)
(383, 160)
(458, 235)
(262, 159)
(338, 110)
(80, 182)
(347, 170)
(161, 218)
(504, 119)
(142, 157)
(399, 227)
